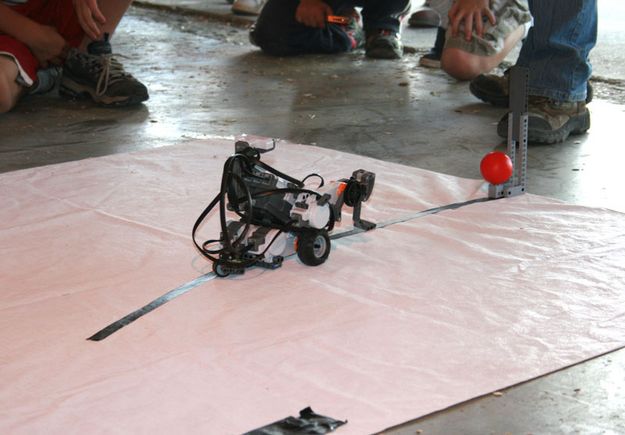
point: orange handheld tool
(337, 19)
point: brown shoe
(424, 17)
(551, 121)
(493, 89)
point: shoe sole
(574, 126)
(70, 88)
(244, 11)
(383, 52)
(424, 23)
(429, 63)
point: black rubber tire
(219, 271)
(313, 247)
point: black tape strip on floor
(184, 288)
(307, 423)
(172, 294)
(410, 217)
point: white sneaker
(248, 7)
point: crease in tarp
(121, 218)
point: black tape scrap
(307, 423)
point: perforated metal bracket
(517, 135)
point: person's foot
(248, 7)
(424, 16)
(432, 59)
(551, 121)
(494, 89)
(98, 75)
(383, 44)
(47, 79)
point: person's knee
(272, 30)
(9, 89)
(7, 96)
(271, 38)
(5, 105)
(460, 64)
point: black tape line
(178, 291)
(410, 217)
(160, 301)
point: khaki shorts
(510, 14)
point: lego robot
(276, 215)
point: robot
(275, 215)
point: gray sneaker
(98, 75)
(383, 44)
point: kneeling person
(287, 27)
(481, 33)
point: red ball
(496, 167)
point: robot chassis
(278, 216)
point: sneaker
(432, 59)
(383, 44)
(424, 16)
(551, 121)
(47, 80)
(99, 75)
(248, 7)
(493, 89)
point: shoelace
(112, 71)
(109, 69)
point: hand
(470, 12)
(48, 46)
(90, 17)
(313, 13)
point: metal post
(517, 136)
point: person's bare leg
(10, 90)
(114, 11)
(466, 66)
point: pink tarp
(399, 322)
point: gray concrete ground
(206, 80)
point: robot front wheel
(313, 247)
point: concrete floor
(206, 80)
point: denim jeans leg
(387, 14)
(557, 47)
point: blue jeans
(557, 47)
(277, 32)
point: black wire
(314, 175)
